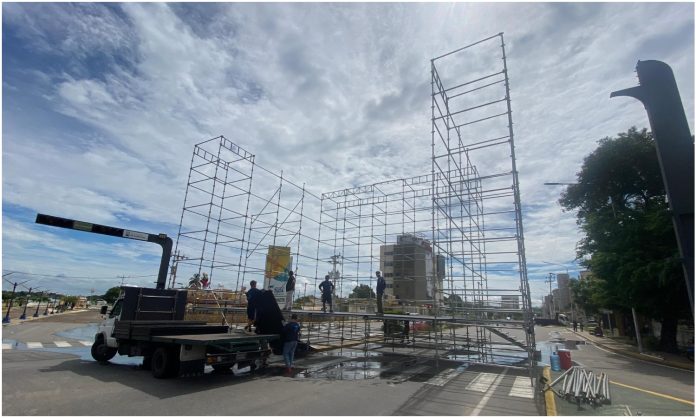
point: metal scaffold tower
(449, 241)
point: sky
(102, 104)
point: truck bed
(210, 339)
(145, 330)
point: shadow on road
(140, 379)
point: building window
(388, 264)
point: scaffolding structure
(449, 243)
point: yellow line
(548, 395)
(653, 393)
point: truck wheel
(163, 363)
(101, 352)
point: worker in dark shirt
(251, 294)
(381, 285)
(326, 288)
(289, 291)
(291, 335)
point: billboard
(278, 264)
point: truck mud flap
(191, 368)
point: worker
(326, 288)
(289, 291)
(381, 285)
(251, 294)
(291, 335)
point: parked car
(592, 327)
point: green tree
(112, 294)
(629, 242)
(362, 291)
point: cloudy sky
(102, 104)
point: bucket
(564, 356)
(555, 362)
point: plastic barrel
(565, 361)
(555, 362)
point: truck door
(107, 326)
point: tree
(198, 281)
(629, 242)
(362, 291)
(112, 294)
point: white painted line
(86, 343)
(34, 345)
(522, 388)
(482, 403)
(443, 377)
(409, 373)
(62, 344)
(6, 346)
(482, 382)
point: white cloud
(335, 95)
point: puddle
(84, 333)
(345, 370)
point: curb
(549, 397)
(31, 318)
(639, 356)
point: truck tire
(164, 363)
(101, 352)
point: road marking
(34, 345)
(86, 343)
(443, 377)
(409, 373)
(7, 346)
(62, 344)
(522, 388)
(549, 397)
(662, 395)
(482, 382)
(482, 403)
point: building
(562, 299)
(510, 302)
(414, 275)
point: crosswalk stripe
(7, 346)
(482, 382)
(409, 373)
(62, 344)
(443, 377)
(522, 388)
(34, 345)
(86, 343)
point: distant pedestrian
(575, 326)
(405, 332)
(326, 288)
(289, 291)
(291, 335)
(251, 295)
(381, 285)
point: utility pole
(549, 280)
(175, 264)
(6, 319)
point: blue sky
(103, 102)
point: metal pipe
(559, 377)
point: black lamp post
(6, 319)
(36, 314)
(26, 303)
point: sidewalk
(618, 346)
(17, 321)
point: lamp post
(36, 314)
(26, 303)
(6, 319)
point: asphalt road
(637, 387)
(56, 380)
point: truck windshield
(116, 311)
